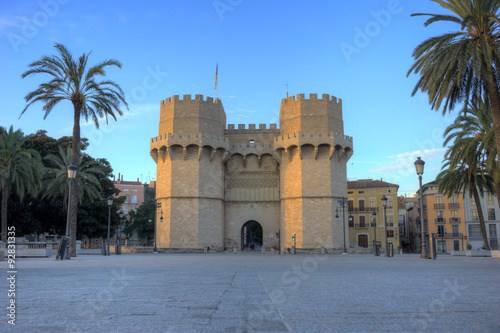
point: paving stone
(253, 293)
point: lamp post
(119, 243)
(384, 203)
(157, 206)
(110, 203)
(375, 247)
(419, 167)
(63, 251)
(343, 202)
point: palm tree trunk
(495, 113)
(5, 194)
(75, 159)
(480, 214)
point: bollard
(103, 248)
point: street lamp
(419, 167)
(63, 251)
(343, 202)
(118, 245)
(384, 203)
(157, 206)
(375, 247)
(110, 203)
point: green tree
(57, 181)
(20, 168)
(72, 81)
(472, 134)
(142, 222)
(461, 65)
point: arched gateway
(251, 236)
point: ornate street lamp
(384, 203)
(110, 203)
(63, 251)
(375, 246)
(419, 167)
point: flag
(216, 72)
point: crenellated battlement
(188, 98)
(252, 129)
(312, 98)
(300, 139)
(187, 139)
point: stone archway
(251, 236)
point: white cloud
(403, 163)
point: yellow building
(444, 217)
(365, 198)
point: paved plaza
(253, 293)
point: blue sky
(359, 51)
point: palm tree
(72, 81)
(56, 180)
(465, 178)
(20, 169)
(458, 66)
(472, 132)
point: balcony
(440, 220)
(448, 236)
(453, 205)
(454, 219)
(439, 205)
(363, 209)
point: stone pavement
(253, 293)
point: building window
(456, 245)
(373, 204)
(472, 201)
(125, 209)
(251, 141)
(390, 233)
(491, 214)
(474, 230)
(361, 192)
(126, 190)
(361, 204)
(389, 204)
(441, 230)
(438, 201)
(454, 216)
(126, 199)
(390, 221)
(489, 199)
(134, 207)
(439, 216)
(351, 205)
(453, 199)
(473, 215)
(349, 192)
(362, 221)
(134, 190)
(134, 198)
(454, 230)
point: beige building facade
(256, 186)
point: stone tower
(313, 153)
(190, 151)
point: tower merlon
(312, 97)
(188, 98)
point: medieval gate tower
(216, 184)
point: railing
(454, 219)
(452, 235)
(453, 205)
(440, 220)
(363, 209)
(439, 205)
